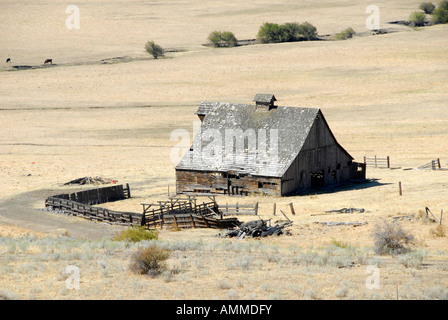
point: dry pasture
(382, 95)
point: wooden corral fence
(377, 162)
(73, 208)
(185, 213)
(239, 209)
(433, 165)
(80, 204)
(99, 195)
(175, 212)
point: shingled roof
(291, 123)
(262, 97)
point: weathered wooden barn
(263, 148)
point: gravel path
(25, 210)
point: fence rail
(239, 209)
(98, 195)
(377, 162)
(185, 213)
(180, 212)
(74, 208)
(433, 165)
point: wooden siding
(320, 153)
(189, 181)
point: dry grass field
(105, 108)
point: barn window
(317, 179)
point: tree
(223, 39)
(440, 15)
(291, 31)
(427, 7)
(270, 32)
(154, 49)
(308, 31)
(417, 19)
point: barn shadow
(346, 186)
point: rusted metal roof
(279, 135)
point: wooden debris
(339, 211)
(90, 180)
(257, 228)
(331, 223)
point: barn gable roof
(291, 125)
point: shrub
(150, 260)
(427, 7)
(345, 34)
(440, 15)
(154, 49)
(136, 234)
(417, 19)
(391, 239)
(291, 31)
(308, 31)
(223, 39)
(443, 5)
(270, 32)
(439, 231)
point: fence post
(399, 187)
(256, 208)
(275, 207)
(292, 209)
(375, 162)
(388, 162)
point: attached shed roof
(204, 108)
(290, 124)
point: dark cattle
(8, 60)
(48, 61)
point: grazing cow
(8, 60)
(48, 61)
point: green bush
(345, 34)
(308, 31)
(417, 19)
(291, 31)
(270, 32)
(154, 49)
(223, 39)
(150, 260)
(440, 15)
(136, 234)
(443, 5)
(427, 7)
